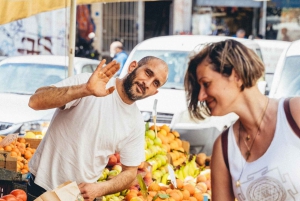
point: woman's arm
(220, 176)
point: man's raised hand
(98, 80)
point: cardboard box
(8, 162)
(34, 143)
(186, 147)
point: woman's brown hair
(223, 57)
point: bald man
(118, 54)
(96, 116)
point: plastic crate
(7, 186)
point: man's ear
(132, 66)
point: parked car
(171, 104)
(271, 51)
(20, 77)
(286, 82)
(2, 57)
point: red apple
(112, 160)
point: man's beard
(128, 86)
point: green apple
(153, 149)
(147, 154)
(157, 141)
(117, 167)
(150, 134)
(149, 141)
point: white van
(171, 105)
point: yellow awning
(11, 10)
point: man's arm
(56, 97)
(118, 183)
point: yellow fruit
(29, 135)
(39, 136)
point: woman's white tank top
(275, 176)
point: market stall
(169, 173)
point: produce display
(168, 164)
(22, 151)
(191, 172)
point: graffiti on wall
(45, 33)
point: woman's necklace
(248, 152)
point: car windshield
(21, 78)
(289, 83)
(177, 62)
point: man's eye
(156, 83)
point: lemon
(29, 135)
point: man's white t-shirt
(81, 137)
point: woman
(258, 157)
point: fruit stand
(169, 173)
(167, 157)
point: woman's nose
(202, 95)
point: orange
(166, 147)
(176, 133)
(24, 171)
(190, 188)
(27, 154)
(179, 183)
(166, 128)
(193, 199)
(186, 194)
(152, 193)
(13, 154)
(175, 196)
(179, 193)
(154, 187)
(208, 184)
(153, 128)
(174, 144)
(169, 190)
(130, 195)
(202, 187)
(179, 142)
(201, 178)
(163, 132)
(171, 137)
(198, 196)
(8, 148)
(21, 140)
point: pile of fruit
(21, 150)
(15, 195)
(165, 149)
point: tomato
(2, 199)
(9, 197)
(20, 194)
